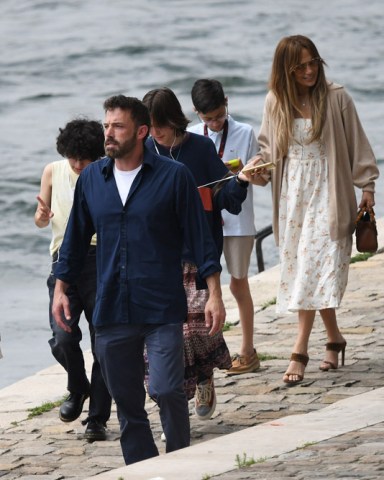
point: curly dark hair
(81, 139)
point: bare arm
(214, 308)
(43, 212)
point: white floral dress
(314, 269)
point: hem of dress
(297, 309)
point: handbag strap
(369, 210)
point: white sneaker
(162, 437)
(205, 401)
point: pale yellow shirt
(63, 187)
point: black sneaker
(95, 431)
(72, 407)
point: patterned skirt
(202, 353)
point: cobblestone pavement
(45, 448)
(353, 455)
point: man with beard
(144, 208)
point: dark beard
(115, 150)
(112, 150)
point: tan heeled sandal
(296, 357)
(334, 347)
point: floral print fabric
(314, 269)
(202, 353)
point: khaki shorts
(237, 253)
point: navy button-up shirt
(139, 244)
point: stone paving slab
(44, 447)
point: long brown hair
(282, 84)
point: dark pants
(120, 349)
(66, 346)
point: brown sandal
(296, 357)
(334, 347)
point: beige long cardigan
(351, 161)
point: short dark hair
(81, 139)
(207, 95)
(165, 109)
(139, 112)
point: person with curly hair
(80, 142)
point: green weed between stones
(305, 445)
(227, 326)
(263, 357)
(361, 257)
(242, 462)
(45, 407)
(268, 303)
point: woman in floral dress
(312, 132)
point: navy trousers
(120, 349)
(66, 346)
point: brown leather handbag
(366, 231)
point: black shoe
(72, 407)
(95, 431)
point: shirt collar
(107, 168)
(211, 133)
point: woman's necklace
(304, 100)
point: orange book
(206, 198)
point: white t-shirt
(241, 143)
(124, 180)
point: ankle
(247, 352)
(337, 339)
(300, 350)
